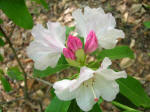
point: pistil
(95, 98)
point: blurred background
(130, 17)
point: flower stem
(124, 106)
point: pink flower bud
(91, 43)
(74, 43)
(68, 54)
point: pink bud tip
(91, 43)
(74, 43)
(96, 99)
(68, 54)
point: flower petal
(108, 89)
(106, 63)
(57, 30)
(48, 45)
(85, 98)
(108, 39)
(110, 74)
(85, 74)
(80, 22)
(93, 19)
(62, 89)
(42, 55)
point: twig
(41, 106)
(19, 63)
(43, 81)
(11, 101)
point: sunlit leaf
(68, 30)
(57, 105)
(116, 53)
(5, 83)
(15, 74)
(132, 89)
(147, 24)
(49, 71)
(17, 11)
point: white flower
(90, 85)
(101, 23)
(47, 46)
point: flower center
(89, 83)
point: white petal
(108, 89)
(62, 89)
(108, 39)
(42, 55)
(88, 10)
(93, 19)
(57, 30)
(85, 98)
(106, 63)
(85, 74)
(80, 22)
(110, 74)
(48, 45)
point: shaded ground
(129, 15)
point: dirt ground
(129, 14)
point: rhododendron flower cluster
(90, 85)
(98, 30)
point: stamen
(95, 98)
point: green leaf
(1, 58)
(68, 30)
(57, 105)
(74, 107)
(62, 60)
(131, 111)
(0, 110)
(124, 107)
(1, 34)
(132, 89)
(146, 6)
(5, 84)
(43, 2)
(2, 43)
(96, 108)
(147, 24)
(15, 74)
(17, 11)
(116, 53)
(1, 21)
(49, 71)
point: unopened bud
(68, 54)
(74, 43)
(91, 43)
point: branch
(19, 63)
(11, 101)
(43, 81)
